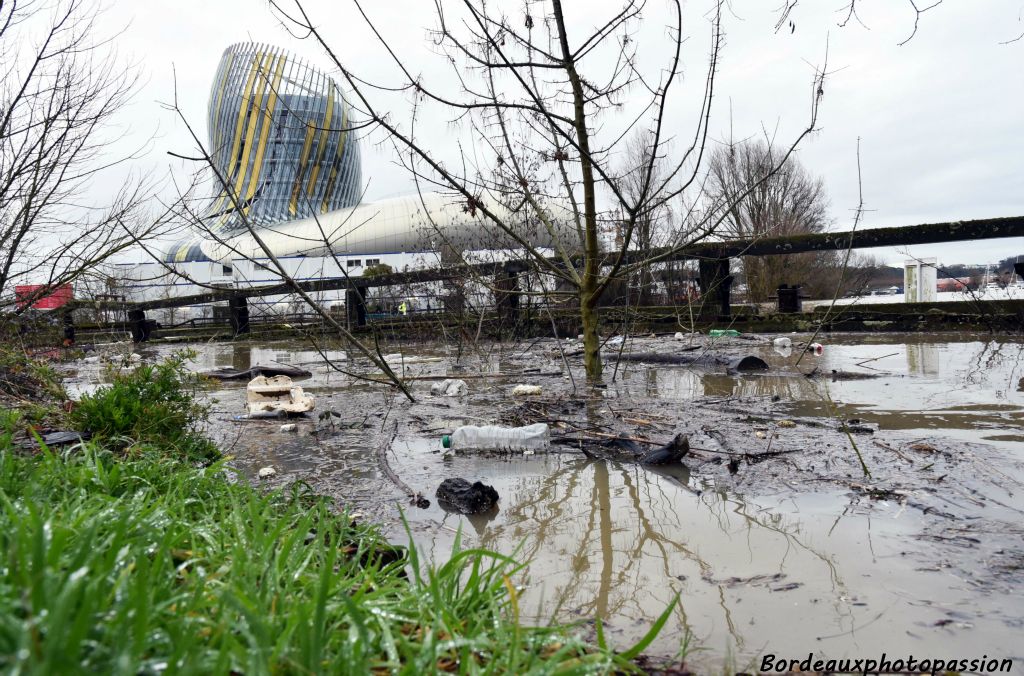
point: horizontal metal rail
(929, 233)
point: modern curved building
(416, 223)
(288, 165)
(281, 143)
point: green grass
(146, 564)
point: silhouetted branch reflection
(618, 541)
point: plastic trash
(449, 387)
(525, 390)
(615, 340)
(466, 498)
(744, 364)
(492, 437)
(266, 472)
(679, 336)
(719, 333)
(290, 427)
(783, 346)
(816, 348)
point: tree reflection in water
(619, 541)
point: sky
(939, 118)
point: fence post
(138, 325)
(69, 327)
(506, 295)
(238, 314)
(788, 299)
(715, 277)
(355, 305)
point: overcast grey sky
(939, 118)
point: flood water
(787, 565)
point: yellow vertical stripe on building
(267, 113)
(330, 188)
(218, 135)
(321, 149)
(250, 132)
(332, 182)
(307, 144)
(239, 126)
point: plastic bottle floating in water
(493, 437)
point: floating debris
(732, 364)
(450, 387)
(399, 358)
(276, 396)
(672, 452)
(460, 496)
(258, 370)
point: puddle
(793, 553)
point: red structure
(41, 297)
(953, 284)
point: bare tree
(848, 13)
(547, 111)
(59, 91)
(651, 226)
(790, 202)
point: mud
(769, 529)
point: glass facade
(280, 143)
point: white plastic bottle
(492, 437)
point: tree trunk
(590, 319)
(591, 246)
(645, 295)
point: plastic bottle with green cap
(492, 437)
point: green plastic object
(718, 333)
(446, 441)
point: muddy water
(775, 559)
(972, 389)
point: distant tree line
(976, 276)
